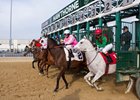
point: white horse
(95, 63)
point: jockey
(38, 44)
(101, 42)
(43, 42)
(69, 40)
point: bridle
(93, 57)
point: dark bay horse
(59, 57)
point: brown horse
(42, 57)
(59, 57)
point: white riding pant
(107, 48)
(69, 47)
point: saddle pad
(78, 56)
(112, 55)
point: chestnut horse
(59, 57)
(40, 57)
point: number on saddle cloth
(78, 56)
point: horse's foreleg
(38, 63)
(65, 81)
(87, 78)
(40, 68)
(58, 78)
(33, 63)
(96, 77)
(47, 70)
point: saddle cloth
(112, 55)
(78, 56)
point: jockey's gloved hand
(99, 49)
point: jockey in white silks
(43, 42)
(102, 43)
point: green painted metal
(138, 30)
(87, 29)
(70, 28)
(138, 34)
(100, 22)
(77, 33)
(118, 31)
(62, 35)
(127, 65)
(84, 2)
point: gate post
(78, 29)
(87, 29)
(100, 22)
(118, 31)
(70, 28)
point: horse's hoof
(67, 87)
(41, 74)
(100, 89)
(54, 93)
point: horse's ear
(85, 37)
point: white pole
(10, 41)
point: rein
(92, 59)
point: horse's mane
(52, 41)
(93, 44)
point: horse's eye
(81, 42)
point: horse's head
(85, 45)
(27, 50)
(32, 44)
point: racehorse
(95, 62)
(58, 54)
(40, 57)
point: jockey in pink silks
(70, 41)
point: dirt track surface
(18, 81)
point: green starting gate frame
(128, 65)
(82, 14)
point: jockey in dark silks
(102, 43)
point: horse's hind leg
(96, 77)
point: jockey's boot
(70, 53)
(109, 60)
